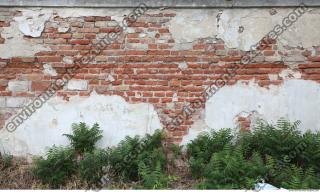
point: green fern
(274, 140)
(297, 178)
(308, 151)
(201, 149)
(123, 158)
(133, 152)
(228, 169)
(153, 177)
(84, 138)
(279, 154)
(59, 165)
(91, 166)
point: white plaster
(294, 100)
(48, 70)
(68, 60)
(175, 97)
(182, 65)
(32, 21)
(189, 25)
(16, 102)
(79, 85)
(273, 77)
(256, 24)
(116, 14)
(63, 27)
(110, 78)
(304, 33)
(116, 117)
(290, 74)
(16, 46)
(2, 102)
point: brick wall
(144, 65)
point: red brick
(80, 42)
(61, 47)
(147, 94)
(46, 53)
(164, 31)
(106, 18)
(314, 59)
(40, 85)
(158, 52)
(153, 100)
(49, 59)
(60, 35)
(109, 30)
(4, 24)
(55, 41)
(90, 36)
(152, 46)
(166, 100)
(133, 35)
(89, 19)
(88, 30)
(268, 53)
(199, 46)
(82, 47)
(23, 59)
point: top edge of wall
(159, 4)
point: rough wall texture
(159, 64)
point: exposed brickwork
(144, 64)
(244, 123)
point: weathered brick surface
(19, 86)
(146, 65)
(77, 85)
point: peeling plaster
(294, 100)
(48, 70)
(110, 78)
(63, 27)
(304, 33)
(231, 20)
(116, 117)
(182, 65)
(76, 12)
(273, 77)
(290, 74)
(16, 46)
(68, 59)
(32, 21)
(186, 27)
(116, 14)
(189, 25)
